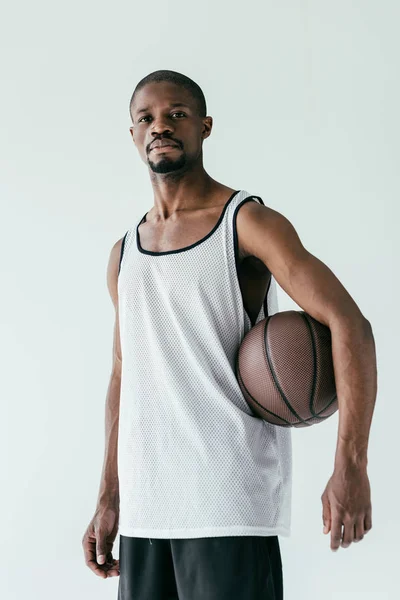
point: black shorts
(213, 568)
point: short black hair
(178, 79)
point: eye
(175, 113)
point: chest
(253, 275)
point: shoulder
(252, 209)
(255, 221)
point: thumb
(326, 517)
(100, 550)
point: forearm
(109, 485)
(354, 358)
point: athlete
(198, 488)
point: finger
(359, 530)
(89, 549)
(336, 532)
(348, 533)
(367, 522)
(113, 568)
(97, 569)
(326, 516)
(112, 572)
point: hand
(347, 501)
(98, 541)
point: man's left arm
(270, 236)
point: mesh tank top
(193, 461)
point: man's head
(168, 106)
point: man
(198, 487)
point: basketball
(284, 367)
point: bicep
(303, 276)
(317, 290)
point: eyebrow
(172, 105)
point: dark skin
(187, 204)
(101, 532)
(182, 190)
(180, 182)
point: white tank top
(193, 460)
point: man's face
(164, 112)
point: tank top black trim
(143, 251)
(236, 250)
(122, 251)
(235, 239)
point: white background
(305, 97)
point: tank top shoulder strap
(241, 198)
(122, 251)
(126, 244)
(237, 201)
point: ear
(207, 127)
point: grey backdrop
(305, 97)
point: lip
(164, 147)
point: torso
(253, 275)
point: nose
(165, 134)
(159, 127)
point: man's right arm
(109, 486)
(100, 534)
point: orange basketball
(285, 370)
